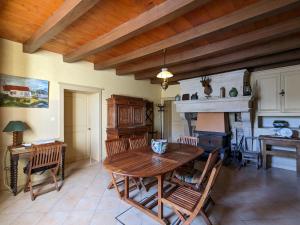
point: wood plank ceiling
(202, 37)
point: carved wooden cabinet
(126, 117)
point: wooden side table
(16, 154)
(269, 141)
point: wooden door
(290, 84)
(124, 116)
(76, 132)
(138, 115)
(269, 99)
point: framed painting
(23, 92)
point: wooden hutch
(126, 117)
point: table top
(278, 138)
(143, 162)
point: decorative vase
(233, 92)
(222, 92)
(194, 96)
(159, 146)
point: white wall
(49, 66)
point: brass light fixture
(164, 74)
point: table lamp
(17, 128)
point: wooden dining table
(143, 162)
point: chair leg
(136, 182)
(205, 217)
(115, 185)
(53, 174)
(143, 185)
(31, 190)
(27, 183)
(110, 185)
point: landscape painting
(23, 92)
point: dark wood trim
(150, 19)
(66, 14)
(205, 65)
(245, 40)
(253, 12)
(280, 59)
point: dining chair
(114, 147)
(188, 140)
(188, 203)
(136, 143)
(196, 179)
(43, 157)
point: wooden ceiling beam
(253, 12)
(261, 62)
(276, 46)
(67, 13)
(244, 40)
(150, 19)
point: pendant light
(164, 74)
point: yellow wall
(49, 66)
(171, 92)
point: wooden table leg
(14, 173)
(160, 184)
(264, 154)
(63, 153)
(126, 188)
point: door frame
(85, 89)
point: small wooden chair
(196, 179)
(188, 140)
(44, 157)
(188, 203)
(135, 143)
(113, 147)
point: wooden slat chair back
(114, 147)
(194, 178)
(137, 142)
(188, 203)
(212, 160)
(188, 140)
(44, 157)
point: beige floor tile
(87, 204)
(28, 219)
(79, 218)
(101, 218)
(7, 219)
(53, 218)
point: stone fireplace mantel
(215, 104)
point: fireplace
(212, 131)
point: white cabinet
(278, 91)
(268, 87)
(290, 83)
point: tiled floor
(245, 197)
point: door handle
(282, 93)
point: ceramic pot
(159, 146)
(233, 92)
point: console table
(16, 154)
(269, 141)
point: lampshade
(13, 126)
(164, 74)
